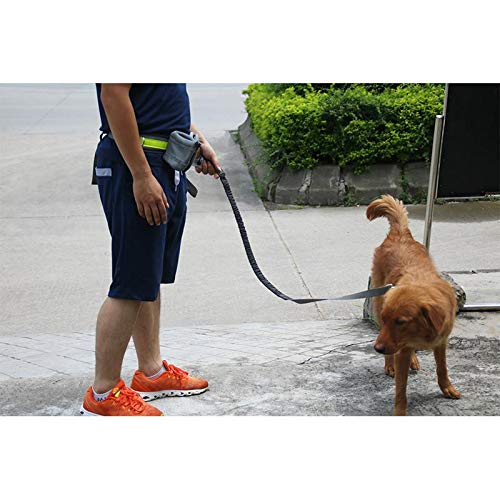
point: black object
(191, 188)
(93, 182)
(470, 155)
(260, 276)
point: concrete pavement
(295, 368)
(55, 264)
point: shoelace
(178, 372)
(130, 399)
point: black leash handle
(260, 275)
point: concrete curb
(330, 185)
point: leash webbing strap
(161, 144)
(373, 292)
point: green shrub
(288, 124)
(351, 124)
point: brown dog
(419, 312)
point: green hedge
(301, 125)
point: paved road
(55, 256)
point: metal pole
(437, 145)
(480, 307)
(433, 178)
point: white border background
(258, 41)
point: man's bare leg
(152, 383)
(146, 334)
(115, 323)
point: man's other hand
(151, 200)
(210, 164)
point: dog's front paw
(450, 392)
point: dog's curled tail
(394, 210)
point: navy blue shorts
(143, 256)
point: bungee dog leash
(373, 292)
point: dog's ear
(433, 316)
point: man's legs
(146, 334)
(115, 323)
(155, 378)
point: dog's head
(411, 318)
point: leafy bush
(301, 125)
(290, 124)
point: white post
(433, 178)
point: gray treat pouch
(181, 150)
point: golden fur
(419, 312)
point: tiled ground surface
(253, 343)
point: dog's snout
(380, 348)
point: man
(144, 201)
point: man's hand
(150, 198)
(210, 164)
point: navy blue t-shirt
(160, 108)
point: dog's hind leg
(389, 365)
(414, 363)
(442, 373)
(377, 309)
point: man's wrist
(141, 172)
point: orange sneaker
(121, 402)
(172, 382)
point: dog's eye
(399, 322)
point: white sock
(159, 372)
(100, 397)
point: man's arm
(211, 164)
(149, 196)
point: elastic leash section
(374, 292)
